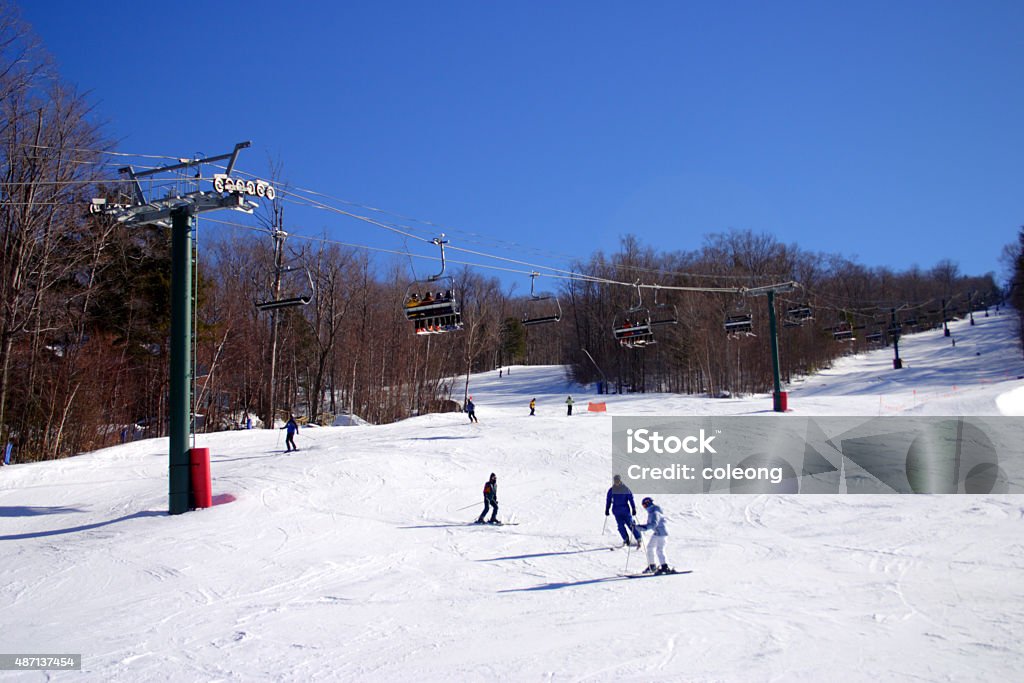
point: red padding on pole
(202, 489)
(781, 402)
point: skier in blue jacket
(655, 523)
(620, 501)
(289, 440)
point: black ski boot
(479, 521)
(494, 521)
(651, 569)
(664, 569)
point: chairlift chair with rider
(740, 321)
(843, 332)
(798, 315)
(431, 304)
(632, 327)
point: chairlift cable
(103, 151)
(549, 270)
(433, 226)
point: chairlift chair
(874, 337)
(302, 298)
(662, 313)
(843, 332)
(431, 304)
(740, 323)
(541, 308)
(632, 327)
(800, 313)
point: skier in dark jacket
(620, 501)
(490, 500)
(289, 440)
(471, 409)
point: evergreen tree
(513, 341)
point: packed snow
(353, 559)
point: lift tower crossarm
(781, 287)
(232, 155)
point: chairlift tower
(895, 331)
(177, 211)
(778, 397)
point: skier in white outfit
(655, 523)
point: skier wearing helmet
(655, 523)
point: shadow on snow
(83, 527)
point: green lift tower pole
(773, 331)
(181, 361)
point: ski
(493, 523)
(647, 576)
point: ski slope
(352, 559)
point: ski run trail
(353, 558)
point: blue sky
(889, 132)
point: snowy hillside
(352, 559)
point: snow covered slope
(352, 559)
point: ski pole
(605, 527)
(467, 507)
(629, 548)
(278, 444)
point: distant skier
(490, 500)
(471, 409)
(533, 406)
(500, 373)
(655, 523)
(289, 440)
(620, 501)
(568, 405)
